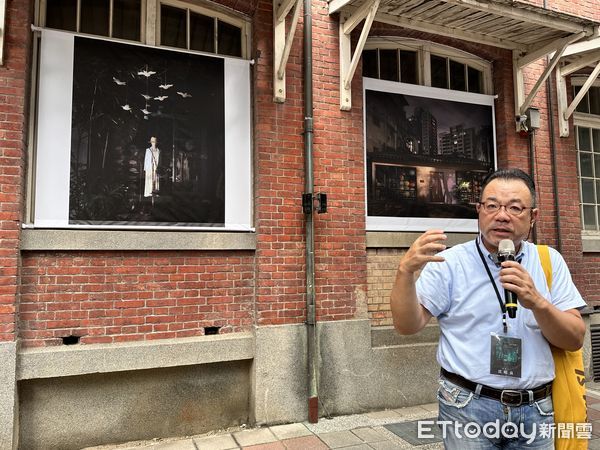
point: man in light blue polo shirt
(496, 370)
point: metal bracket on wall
(316, 202)
(349, 61)
(282, 43)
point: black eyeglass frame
(521, 209)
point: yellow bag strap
(546, 263)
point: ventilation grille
(595, 335)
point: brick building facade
(207, 325)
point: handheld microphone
(506, 252)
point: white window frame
(585, 120)
(216, 14)
(424, 51)
(149, 26)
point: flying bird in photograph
(165, 86)
(146, 73)
(119, 82)
(160, 98)
(184, 94)
(145, 111)
(126, 107)
(147, 97)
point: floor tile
(338, 439)
(291, 430)
(305, 443)
(254, 437)
(222, 442)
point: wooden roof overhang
(531, 32)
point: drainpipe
(311, 320)
(553, 151)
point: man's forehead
(514, 186)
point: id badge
(505, 356)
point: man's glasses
(491, 207)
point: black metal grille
(595, 335)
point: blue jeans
(472, 422)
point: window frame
(147, 38)
(215, 13)
(586, 120)
(424, 51)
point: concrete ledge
(590, 243)
(103, 358)
(8, 395)
(135, 240)
(398, 239)
(388, 337)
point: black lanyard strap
(487, 269)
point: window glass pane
(172, 26)
(597, 167)
(95, 17)
(61, 14)
(583, 104)
(583, 135)
(439, 75)
(587, 191)
(408, 67)
(594, 98)
(229, 39)
(369, 64)
(475, 80)
(457, 76)
(388, 65)
(202, 33)
(126, 19)
(589, 217)
(596, 139)
(585, 165)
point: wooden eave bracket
(557, 47)
(282, 43)
(349, 61)
(590, 55)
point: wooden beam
(283, 9)
(586, 86)
(349, 62)
(361, 44)
(562, 103)
(337, 5)
(282, 43)
(525, 15)
(419, 25)
(546, 49)
(541, 79)
(580, 63)
(582, 47)
(357, 16)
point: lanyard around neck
(487, 269)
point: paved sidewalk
(390, 429)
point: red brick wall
(338, 171)
(14, 77)
(119, 296)
(130, 296)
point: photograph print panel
(147, 136)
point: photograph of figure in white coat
(151, 178)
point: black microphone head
(506, 247)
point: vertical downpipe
(311, 322)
